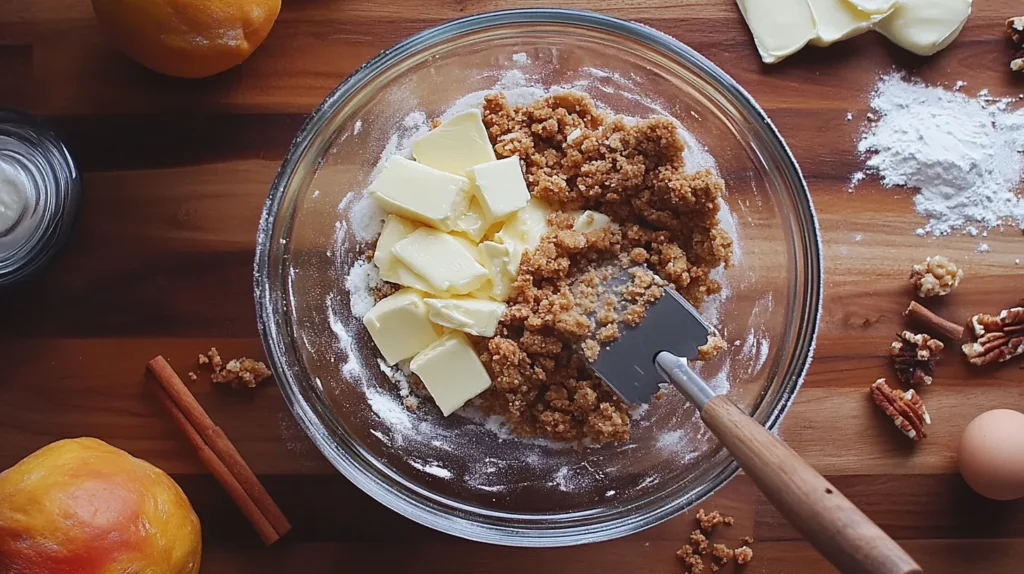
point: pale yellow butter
(500, 187)
(925, 26)
(471, 315)
(526, 227)
(780, 27)
(400, 326)
(837, 20)
(451, 371)
(390, 268)
(421, 193)
(448, 263)
(874, 7)
(473, 223)
(588, 221)
(456, 145)
(502, 263)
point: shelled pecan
(906, 409)
(999, 338)
(1015, 29)
(914, 357)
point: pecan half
(914, 357)
(904, 408)
(999, 338)
(935, 277)
(1015, 29)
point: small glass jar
(40, 191)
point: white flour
(962, 154)
(483, 454)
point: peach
(82, 506)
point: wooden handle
(826, 518)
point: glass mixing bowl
(464, 474)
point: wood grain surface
(176, 173)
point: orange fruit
(187, 38)
(81, 506)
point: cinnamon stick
(220, 472)
(932, 322)
(218, 443)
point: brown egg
(992, 454)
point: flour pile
(963, 154)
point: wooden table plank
(176, 172)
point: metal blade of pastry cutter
(671, 325)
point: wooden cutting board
(176, 173)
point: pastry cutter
(658, 350)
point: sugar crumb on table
(236, 372)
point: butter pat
(526, 227)
(447, 263)
(874, 7)
(478, 317)
(925, 26)
(502, 263)
(421, 193)
(588, 221)
(473, 223)
(501, 187)
(837, 20)
(456, 145)
(451, 371)
(390, 268)
(780, 27)
(400, 326)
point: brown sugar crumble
(236, 372)
(667, 232)
(720, 554)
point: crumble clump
(666, 233)
(236, 372)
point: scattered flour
(962, 154)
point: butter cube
(502, 263)
(395, 229)
(456, 145)
(588, 221)
(400, 326)
(390, 268)
(451, 371)
(473, 223)
(925, 26)
(874, 7)
(526, 227)
(421, 193)
(478, 317)
(780, 27)
(838, 20)
(446, 262)
(501, 187)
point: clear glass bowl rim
(416, 503)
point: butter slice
(473, 223)
(502, 263)
(500, 187)
(446, 262)
(390, 268)
(874, 7)
(925, 26)
(475, 316)
(588, 221)
(421, 193)
(451, 371)
(780, 27)
(456, 145)
(526, 227)
(837, 20)
(400, 326)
